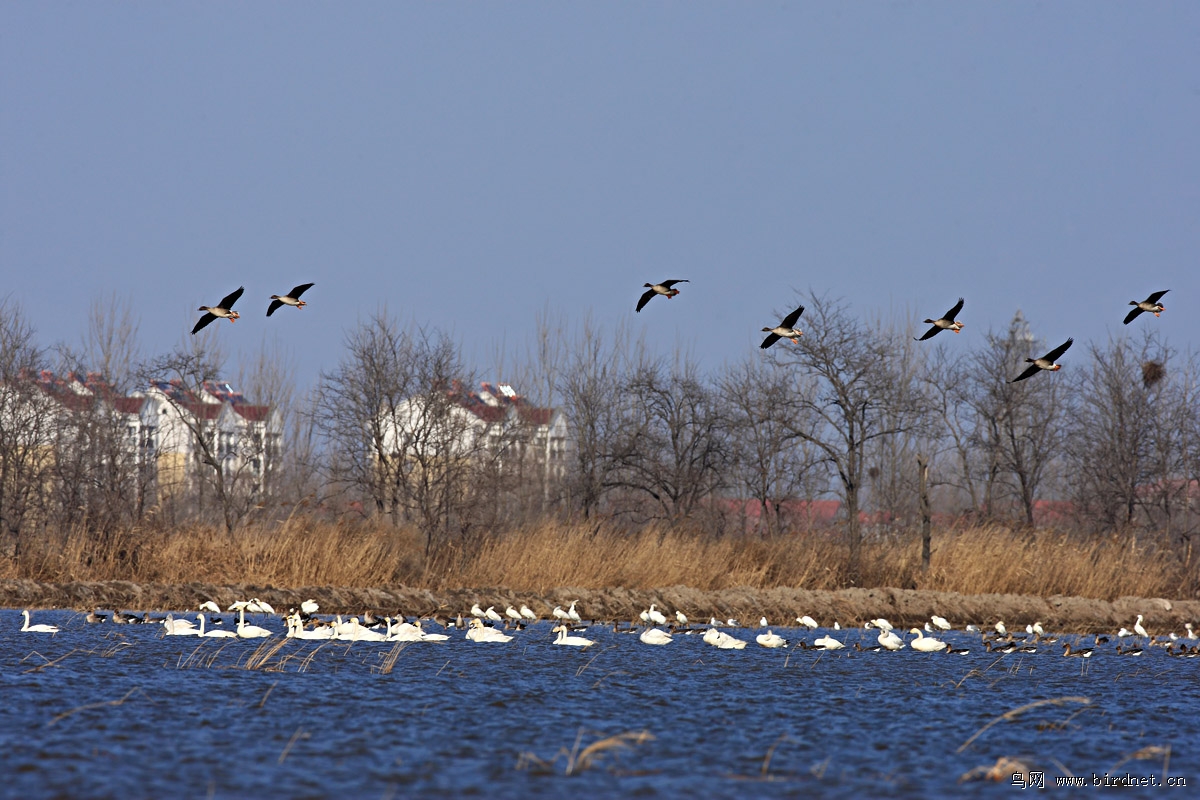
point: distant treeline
(653, 442)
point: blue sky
(474, 165)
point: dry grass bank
(306, 553)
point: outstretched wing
(790, 320)
(228, 300)
(952, 313)
(771, 339)
(1132, 315)
(674, 281)
(645, 299)
(299, 290)
(1058, 351)
(274, 305)
(929, 334)
(1154, 298)
(207, 318)
(1032, 369)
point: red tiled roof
(252, 413)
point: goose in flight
(784, 330)
(292, 298)
(663, 288)
(946, 323)
(1046, 362)
(224, 309)
(1150, 304)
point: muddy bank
(848, 606)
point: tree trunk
(926, 526)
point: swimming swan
(213, 634)
(27, 628)
(570, 641)
(245, 631)
(479, 632)
(925, 645)
(770, 639)
(655, 636)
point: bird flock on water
(652, 627)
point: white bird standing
(257, 606)
(558, 613)
(572, 613)
(807, 622)
(762, 622)
(512, 613)
(940, 623)
(309, 607)
(770, 639)
(493, 614)
(27, 628)
(1138, 628)
(882, 624)
(655, 636)
(925, 645)
(656, 616)
(213, 634)
(527, 613)
(681, 618)
(209, 605)
(477, 612)
(570, 641)
(1000, 629)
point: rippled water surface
(121, 711)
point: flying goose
(784, 330)
(1046, 362)
(224, 309)
(663, 288)
(1150, 304)
(946, 323)
(292, 298)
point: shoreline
(850, 607)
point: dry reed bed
(978, 560)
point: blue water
(456, 719)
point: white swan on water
(889, 640)
(27, 628)
(179, 627)
(245, 631)
(479, 632)
(828, 643)
(655, 636)
(213, 634)
(770, 639)
(722, 640)
(925, 645)
(570, 641)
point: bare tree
(769, 459)
(225, 439)
(28, 419)
(393, 421)
(603, 425)
(681, 450)
(860, 394)
(1019, 426)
